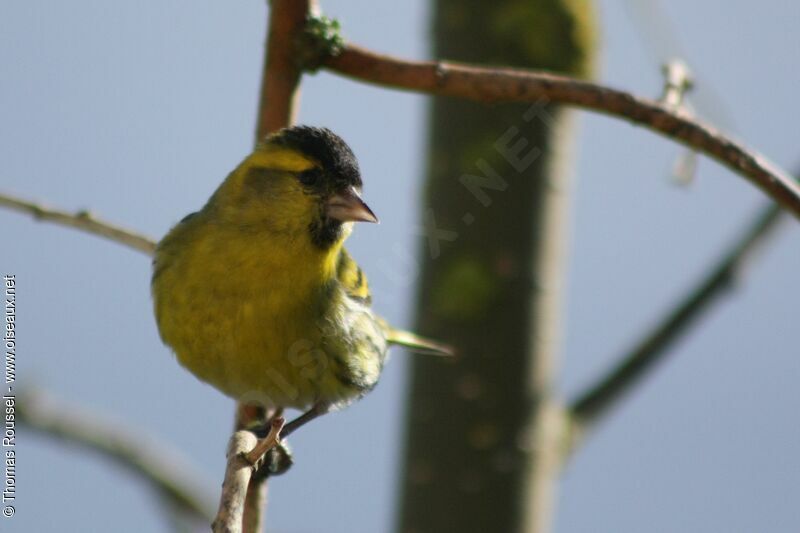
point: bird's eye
(310, 177)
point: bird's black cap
(330, 150)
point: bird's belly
(242, 345)
(257, 345)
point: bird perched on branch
(255, 292)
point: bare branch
(277, 108)
(254, 503)
(234, 488)
(281, 76)
(267, 443)
(144, 457)
(607, 392)
(256, 498)
(497, 84)
(82, 220)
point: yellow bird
(255, 292)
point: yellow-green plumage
(255, 292)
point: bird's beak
(347, 205)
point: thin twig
(234, 488)
(81, 220)
(267, 443)
(144, 457)
(497, 84)
(255, 501)
(678, 80)
(277, 108)
(607, 392)
(280, 83)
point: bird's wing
(352, 278)
(354, 283)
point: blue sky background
(138, 110)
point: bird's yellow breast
(249, 313)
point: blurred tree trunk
(484, 434)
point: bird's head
(300, 179)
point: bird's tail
(418, 344)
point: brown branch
(256, 498)
(610, 389)
(254, 502)
(281, 75)
(277, 108)
(81, 220)
(235, 486)
(272, 439)
(144, 457)
(497, 84)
